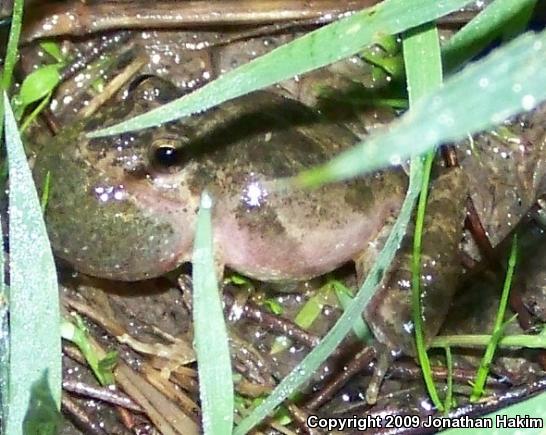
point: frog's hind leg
(389, 313)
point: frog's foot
(384, 361)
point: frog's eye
(166, 155)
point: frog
(125, 207)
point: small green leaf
(77, 334)
(310, 311)
(106, 367)
(53, 49)
(283, 416)
(360, 328)
(237, 279)
(39, 84)
(274, 306)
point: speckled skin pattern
(504, 172)
(114, 212)
(389, 312)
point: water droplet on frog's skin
(528, 102)
(426, 405)
(408, 327)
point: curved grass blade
(4, 344)
(11, 54)
(424, 73)
(5, 81)
(211, 340)
(305, 369)
(35, 341)
(13, 43)
(498, 328)
(326, 45)
(512, 79)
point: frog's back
(271, 233)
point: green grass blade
(448, 401)
(13, 43)
(326, 45)
(5, 81)
(510, 80)
(360, 328)
(35, 343)
(515, 341)
(11, 54)
(306, 316)
(4, 344)
(210, 334)
(424, 73)
(498, 328)
(482, 30)
(306, 368)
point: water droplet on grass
(528, 102)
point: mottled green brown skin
(504, 177)
(103, 239)
(115, 213)
(389, 313)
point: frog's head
(119, 207)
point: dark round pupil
(167, 156)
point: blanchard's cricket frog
(124, 207)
